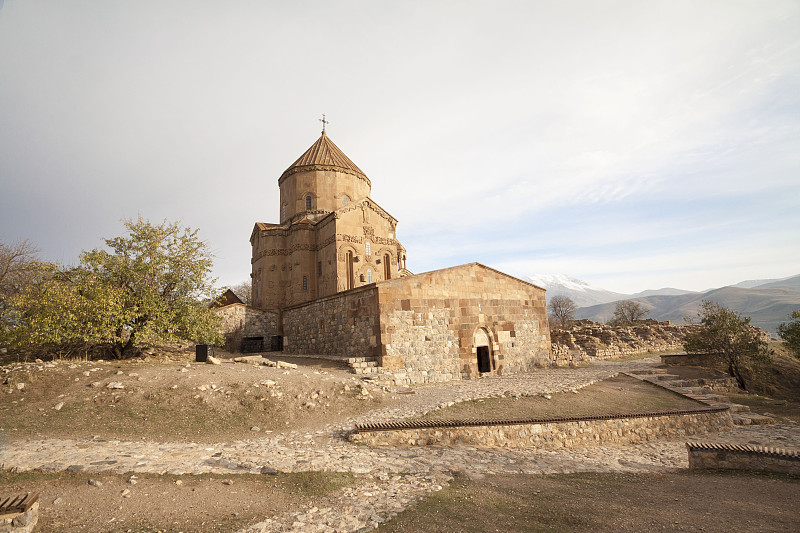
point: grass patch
(621, 394)
(717, 502)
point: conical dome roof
(323, 155)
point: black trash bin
(202, 351)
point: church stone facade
(332, 236)
(334, 275)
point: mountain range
(768, 302)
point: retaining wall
(551, 433)
(704, 455)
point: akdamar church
(330, 278)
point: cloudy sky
(633, 144)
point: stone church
(331, 279)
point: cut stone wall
(239, 321)
(753, 458)
(433, 321)
(345, 324)
(557, 435)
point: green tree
(729, 337)
(627, 312)
(64, 311)
(562, 309)
(150, 287)
(790, 333)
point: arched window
(369, 248)
(308, 203)
(305, 283)
(369, 276)
(345, 200)
(283, 212)
(387, 267)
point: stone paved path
(389, 479)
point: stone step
(738, 408)
(752, 419)
(359, 359)
(666, 377)
(648, 371)
(363, 365)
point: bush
(790, 333)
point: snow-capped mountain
(578, 290)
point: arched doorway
(483, 350)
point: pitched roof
(323, 155)
(228, 298)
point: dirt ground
(621, 394)
(176, 399)
(150, 503)
(687, 501)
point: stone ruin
(587, 341)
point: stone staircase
(363, 365)
(703, 390)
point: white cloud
(471, 118)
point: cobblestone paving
(392, 478)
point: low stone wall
(239, 321)
(705, 455)
(552, 434)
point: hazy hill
(767, 302)
(766, 306)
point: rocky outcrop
(588, 341)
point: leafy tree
(244, 291)
(562, 309)
(790, 332)
(149, 288)
(64, 311)
(728, 336)
(18, 267)
(627, 312)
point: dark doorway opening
(276, 343)
(252, 344)
(484, 364)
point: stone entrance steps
(363, 365)
(740, 414)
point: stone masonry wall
(431, 322)
(239, 321)
(556, 435)
(751, 458)
(345, 324)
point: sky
(631, 144)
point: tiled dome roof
(323, 155)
